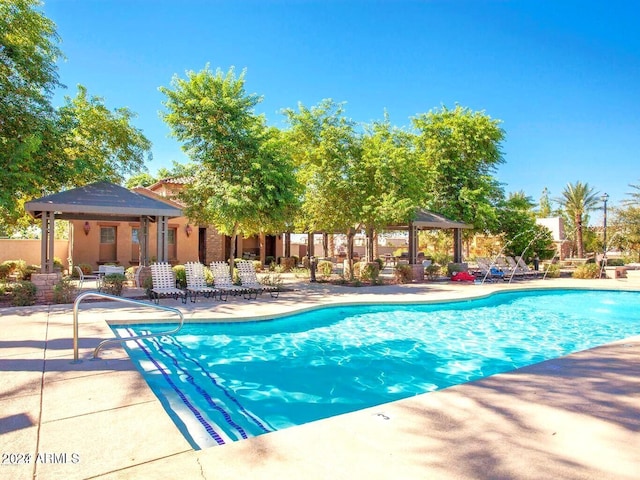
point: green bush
(181, 276)
(369, 272)
(403, 273)
(29, 270)
(6, 269)
(24, 293)
(552, 270)
(432, 271)
(11, 267)
(324, 268)
(357, 268)
(113, 283)
(380, 263)
(86, 269)
(615, 262)
(288, 263)
(64, 292)
(454, 268)
(588, 270)
(269, 259)
(399, 251)
(257, 265)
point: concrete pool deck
(577, 417)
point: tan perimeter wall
(29, 251)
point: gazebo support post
(143, 242)
(163, 246)
(457, 245)
(47, 242)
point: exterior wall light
(86, 228)
(188, 229)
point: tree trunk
(232, 250)
(580, 245)
(332, 245)
(370, 244)
(375, 245)
(350, 236)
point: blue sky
(562, 76)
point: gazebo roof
(101, 201)
(426, 219)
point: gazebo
(102, 201)
(426, 220)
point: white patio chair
(222, 280)
(82, 278)
(164, 283)
(249, 279)
(196, 282)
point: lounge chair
(222, 279)
(524, 268)
(164, 283)
(488, 270)
(196, 282)
(249, 279)
(82, 278)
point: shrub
(403, 273)
(399, 251)
(86, 269)
(588, 270)
(6, 269)
(64, 292)
(269, 259)
(432, 271)
(357, 269)
(300, 272)
(288, 264)
(181, 276)
(369, 272)
(324, 268)
(454, 268)
(29, 270)
(113, 283)
(380, 263)
(272, 280)
(615, 262)
(552, 271)
(57, 264)
(130, 273)
(24, 293)
(257, 265)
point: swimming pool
(225, 382)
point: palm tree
(577, 200)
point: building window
(108, 245)
(171, 243)
(134, 236)
(107, 234)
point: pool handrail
(82, 296)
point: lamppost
(604, 198)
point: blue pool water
(225, 382)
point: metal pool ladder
(84, 295)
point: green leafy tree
(243, 178)
(627, 222)
(545, 204)
(460, 151)
(28, 123)
(99, 143)
(522, 236)
(578, 200)
(389, 179)
(326, 152)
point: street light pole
(605, 197)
